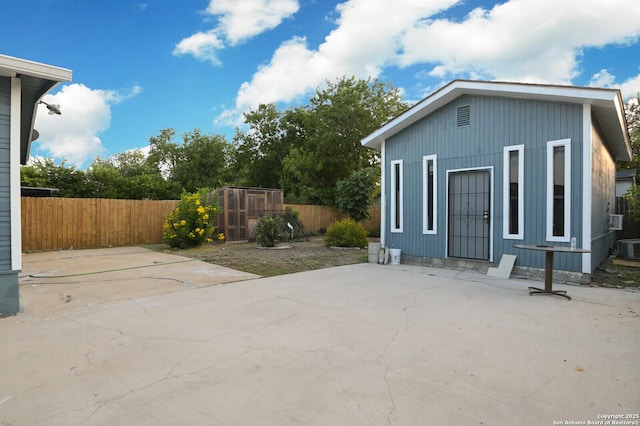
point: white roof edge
(459, 87)
(34, 69)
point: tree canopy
(632, 112)
(304, 150)
(339, 116)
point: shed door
(469, 214)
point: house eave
(10, 66)
(606, 105)
(37, 80)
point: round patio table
(548, 267)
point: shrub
(293, 217)
(191, 223)
(270, 231)
(346, 233)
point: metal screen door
(469, 214)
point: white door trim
(491, 204)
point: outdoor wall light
(53, 109)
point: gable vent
(463, 116)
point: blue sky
(143, 66)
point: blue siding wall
(5, 206)
(495, 123)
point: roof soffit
(10, 66)
(606, 104)
(36, 79)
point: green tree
(104, 180)
(338, 117)
(129, 175)
(46, 173)
(260, 152)
(200, 161)
(31, 175)
(354, 196)
(143, 178)
(163, 152)
(203, 161)
(632, 112)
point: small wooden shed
(242, 207)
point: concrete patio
(154, 341)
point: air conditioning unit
(615, 222)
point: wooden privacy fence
(61, 223)
(315, 218)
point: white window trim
(394, 185)
(566, 143)
(425, 204)
(506, 195)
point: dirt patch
(617, 273)
(288, 258)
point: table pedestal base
(536, 290)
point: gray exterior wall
(5, 202)
(495, 123)
(602, 197)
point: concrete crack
(384, 352)
(393, 402)
(141, 307)
(346, 392)
(184, 283)
(106, 402)
(100, 327)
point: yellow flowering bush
(191, 223)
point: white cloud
(237, 22)
(518, 40)
(521, 40)
(240, 20)
(602, 79)
(86, 113)
(203, 46)
(366, 40)
(630, 87)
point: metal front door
(469, 214)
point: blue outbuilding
(478, 167)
